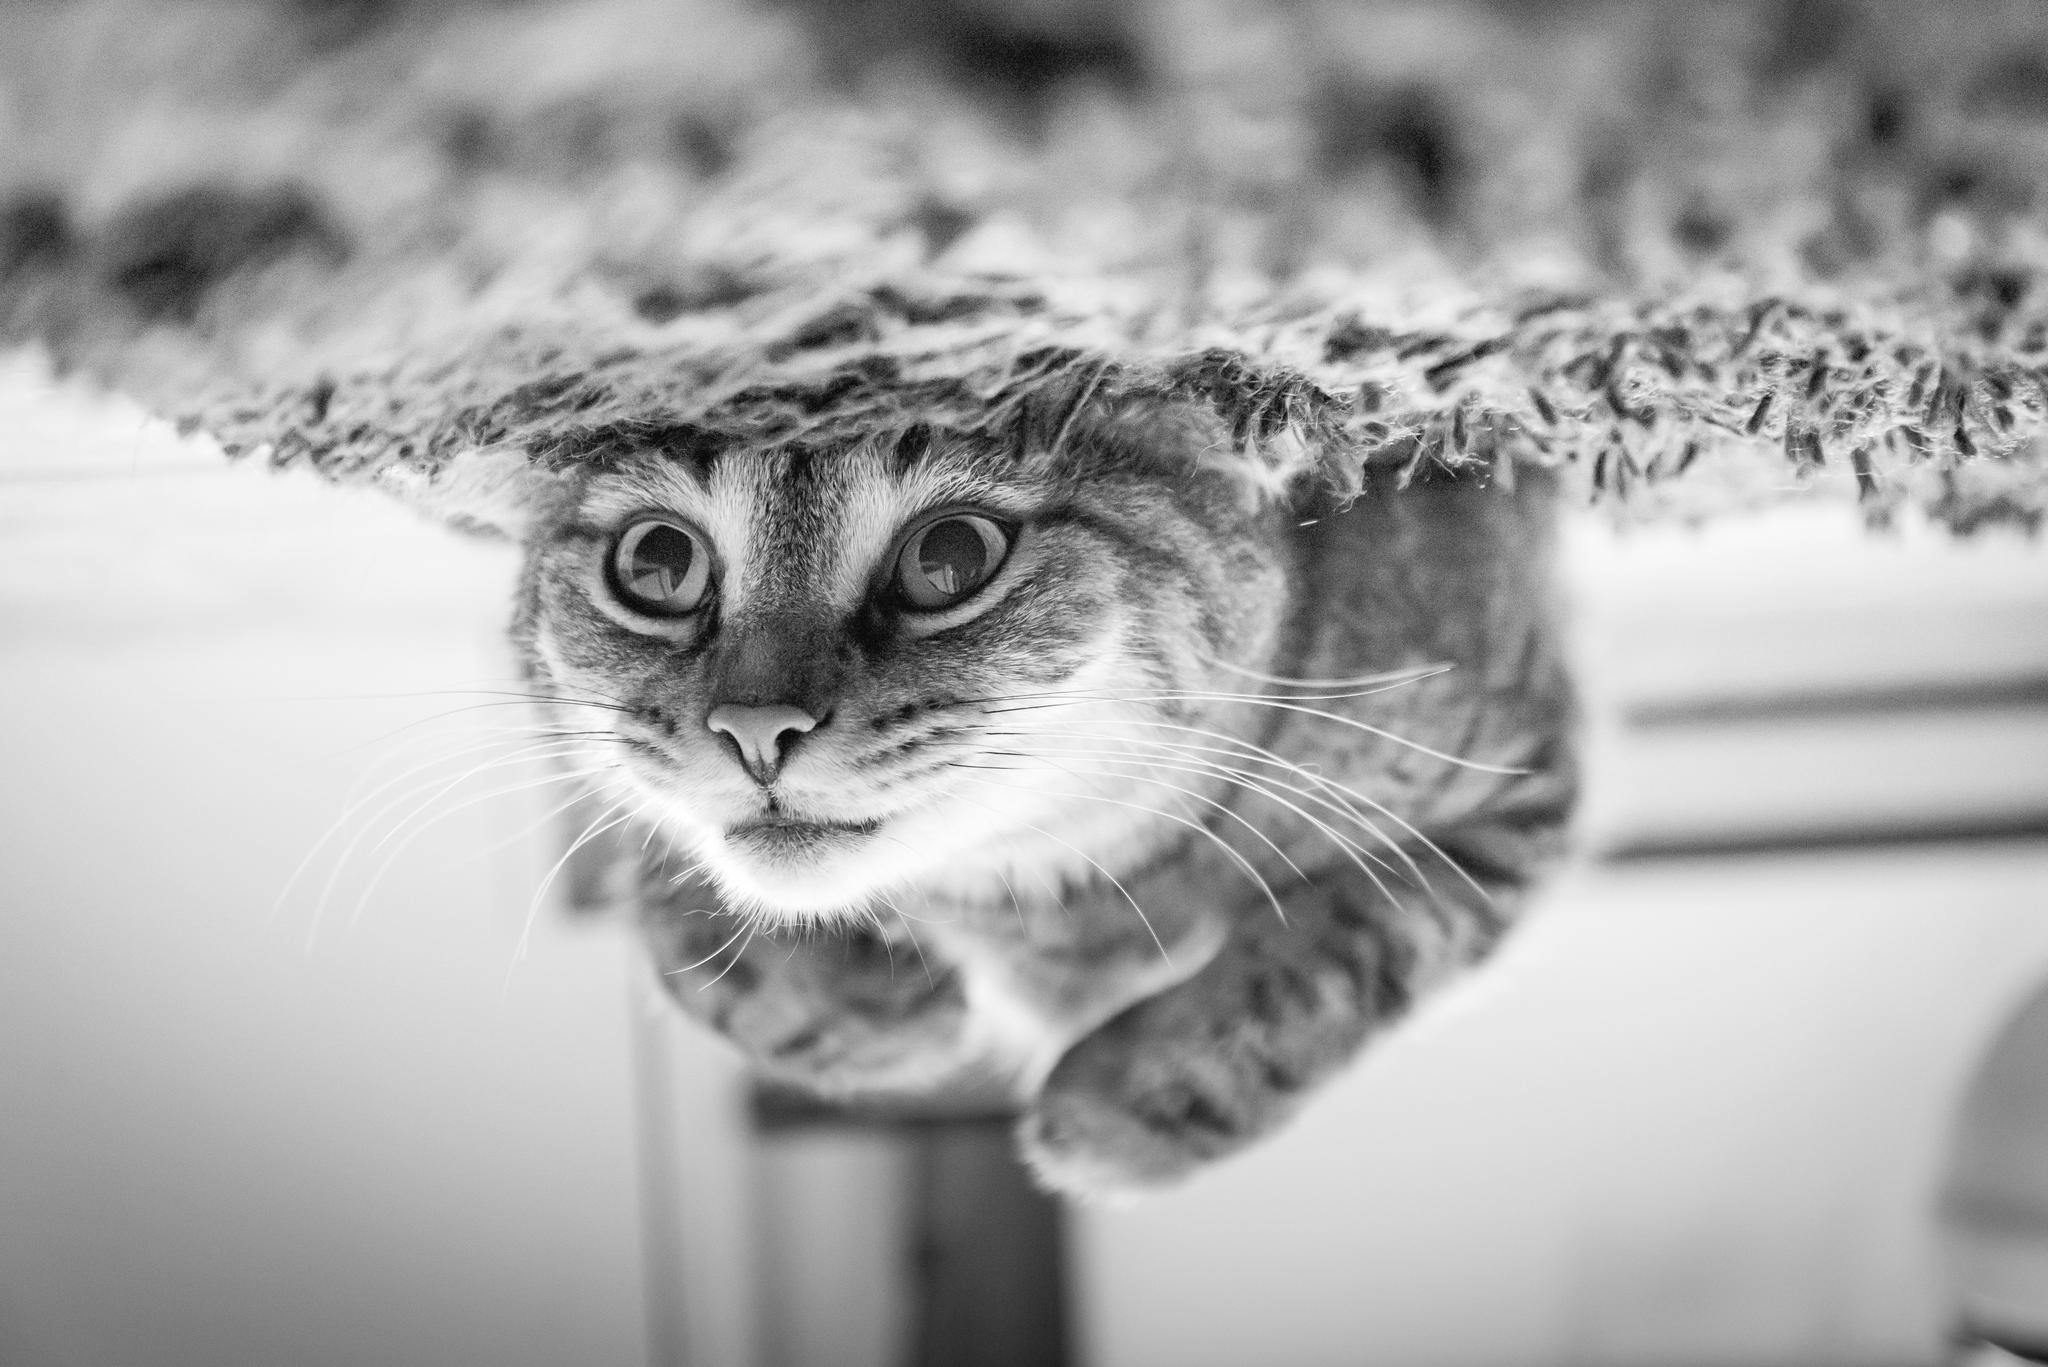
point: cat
(1104, 768)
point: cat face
(841, 678)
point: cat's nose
(761, 734)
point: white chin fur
(828, 888)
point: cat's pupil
(952, 556)
(661, 563)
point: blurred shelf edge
(1931, 771)
(1799, 608)
(1789, 680)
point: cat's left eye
(944, 561)
(661, 568)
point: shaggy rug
(1698, 255)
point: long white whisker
(527, 831)
(1256, 783)
(1062, 696)
(405, 823)
(1195, 826)
(1343, 790)
(1143, 919)
(453, 712)
(351, 806)
(1356, 853)
(1015, 905)
(414, 832)
(1279, 704)
(348, 851)
(747, 925)
(741, 953)
(534, 754)
(911, 931)
(596, 699)
(1395, 676)
(1329, 785)
(599, 825)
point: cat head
(925, 663)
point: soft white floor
(1695, 1117)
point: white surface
(1695, 1115)
(237, 1130)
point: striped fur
(1155, 895)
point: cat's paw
(1120, 1114)
(1199, 1071)
(841, 1014)
(836, 1053)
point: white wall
(234, 1129)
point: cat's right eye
(661, 568)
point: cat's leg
(1208, 1066)
(843, 1010)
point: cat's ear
(488, 490)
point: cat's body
(1200, 782)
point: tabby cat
(1107, 767)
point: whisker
(1406, 674)
(1258, 784)
(690, 870)
(596, 699)
(410, 826)
(1351, 794)
(350, 806)
(527, 831)
(369, 824)
(516, 742)
(1279, 704)
(746, 929)
(911, 931)
(1361, 686)
(1015, 905)
(536, 754)
(1195, 826)
(452, 712)
(599, 825)
(415, 832)
(741, 953)
(1062, 696)
(1356, 853)
(1143, 919)
(1267, 756)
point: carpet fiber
(1702, 256)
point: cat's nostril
(760, 734)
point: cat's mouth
(797, 867)
(782, 835)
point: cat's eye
(661, 568)
(945, 560)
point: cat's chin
(796, 871)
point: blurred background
(402, 1107)
(314, 1051)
